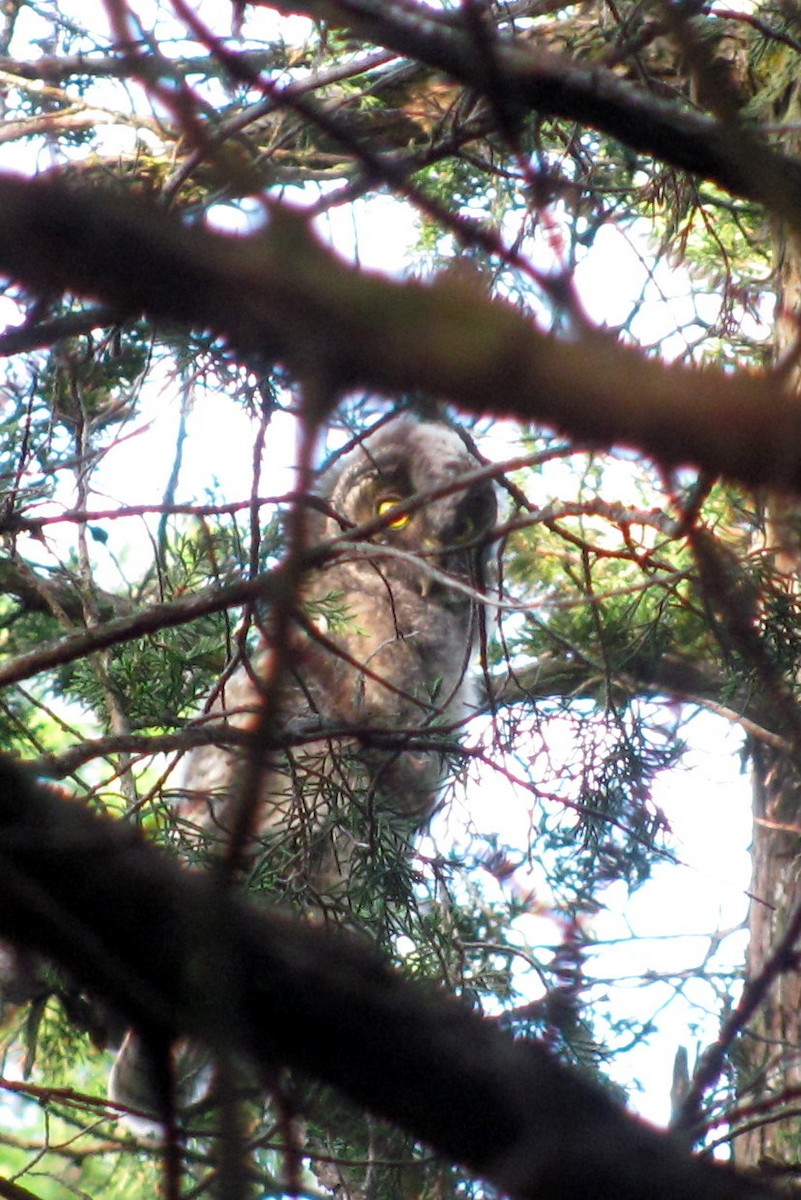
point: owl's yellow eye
(386, 506)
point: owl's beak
(430, 547)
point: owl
(377, 685)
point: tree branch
(734, 156)
(139, 624)
(23, 338)
(682, 679)
(273, 293)
(176, 952)
(36, 594)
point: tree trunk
(771, 1058)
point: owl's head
(406, 459)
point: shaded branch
(140, 624)
(551, 678)
(783, 958)
(24, 338)
(273, 293)
(36, 594)
(669, 675)
(150, 67)
(732, 155)
(176, 952)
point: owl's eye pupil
(386, 506)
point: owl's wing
(298, 844)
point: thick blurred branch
(281, 294)
(176, 952)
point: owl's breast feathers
(404, 657)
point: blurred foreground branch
(175, 952)
(281, 295)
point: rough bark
(770, 1064)
(769, 1071)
